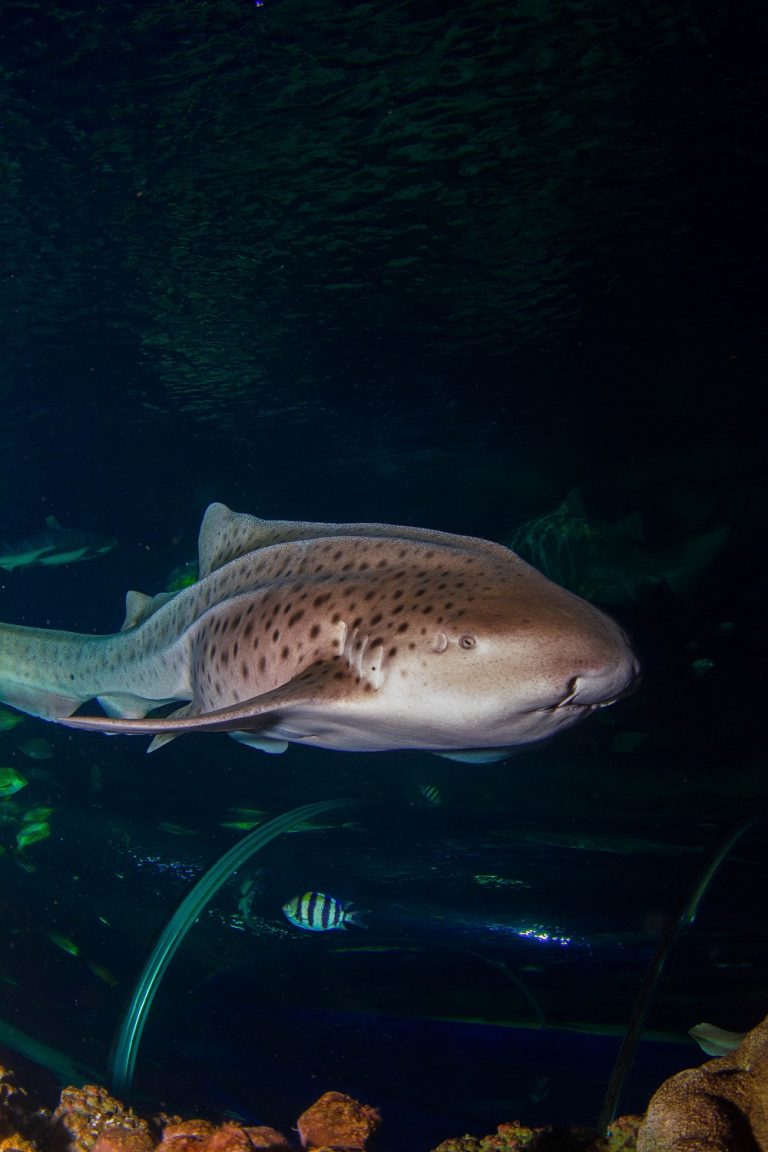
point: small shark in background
(356, 637)
(56, 545)
(612, 563)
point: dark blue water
(420, 266)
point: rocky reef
(721, 1106)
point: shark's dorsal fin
(226, 535)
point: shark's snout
(607, 677)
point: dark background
(420, 263)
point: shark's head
(513, 668)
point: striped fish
(320, 913)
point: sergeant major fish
(357, 637)
(317, 912)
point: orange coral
(339, 1122)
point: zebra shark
(358, 637)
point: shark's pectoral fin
(477, 755)
(323, 683)
(124, 706)
(262, 743)
(36, 702)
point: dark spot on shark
(314, 631)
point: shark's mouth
(584, 695)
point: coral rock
(85, 1113)
(720, 1107)
(622, 1134)
(266, 1139)
(228, 1138)
(184, 1134)
(339, 1122)
(202, 1136)
(124, 1140)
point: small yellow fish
(31, 833)
(64, 943)
(36, 815)
(9, 720)
(240, 825)
(37, 748)
(103, 973)
(314, 826)
(177, 829)
(11, 781)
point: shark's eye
(467, 641)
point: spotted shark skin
(359, 637)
